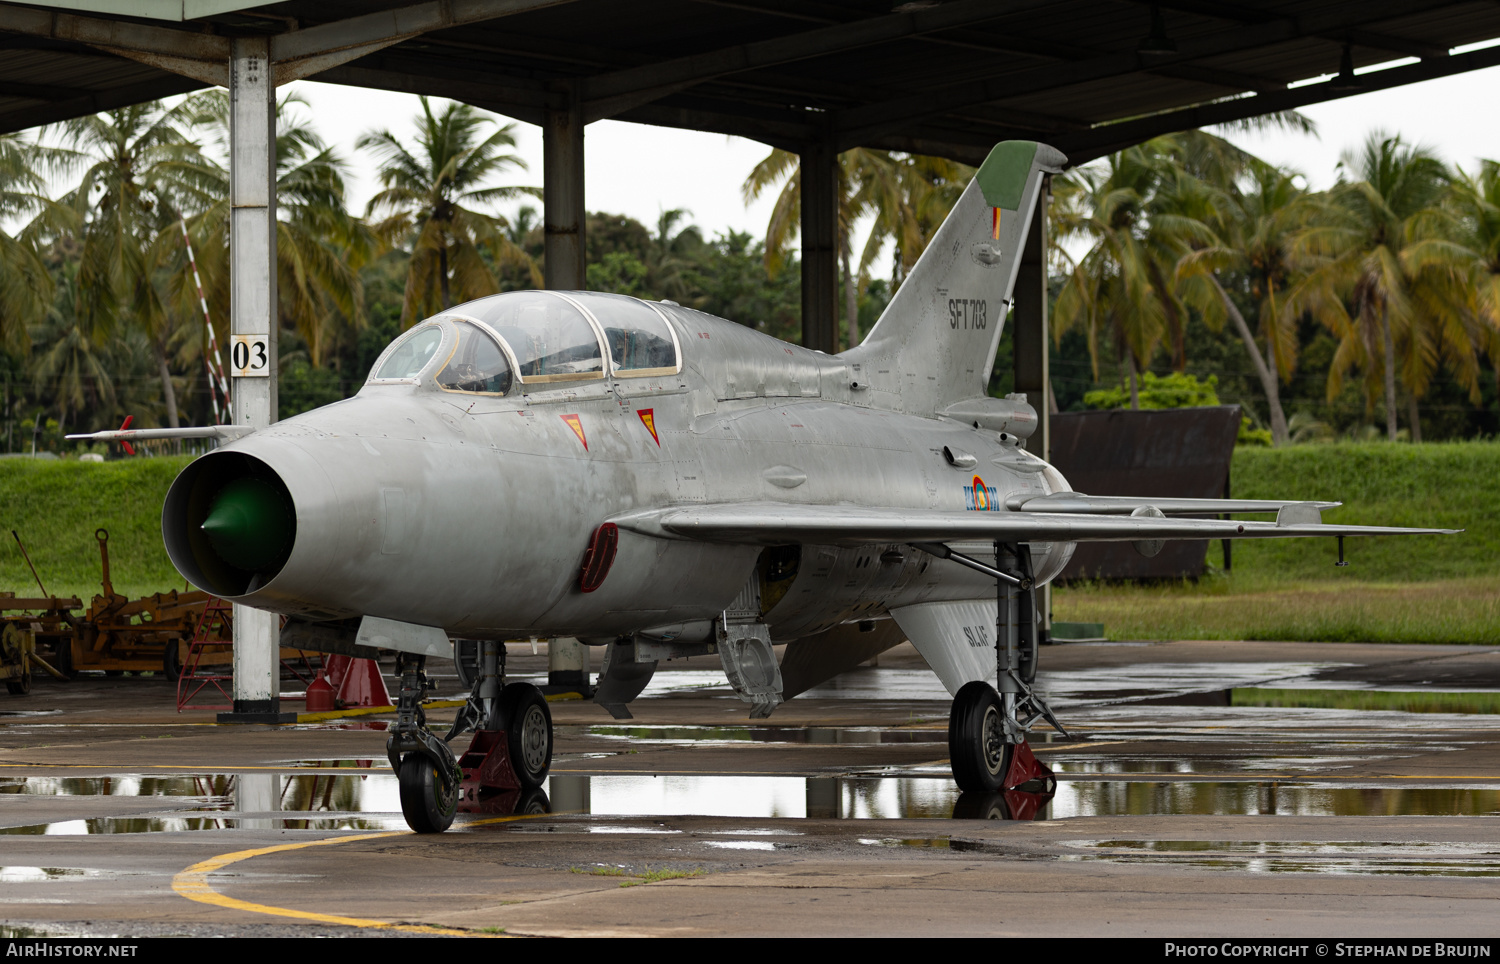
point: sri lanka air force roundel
(979, 497)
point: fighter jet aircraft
(661, 483)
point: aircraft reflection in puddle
(371, 800)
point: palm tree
(1120, 286)
(1253, 229)
(69, 366)
(320, 247)
(908, 195)
(26, 287)
(1455, 259)
(672, 255)
(1362, 284)
(142, 166)
(429, 201)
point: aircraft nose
(250, 524)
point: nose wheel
(427, 802)
(426, 771)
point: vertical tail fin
(935, 343)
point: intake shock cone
(249, 524)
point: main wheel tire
(977, 750)
(19, 687)
(427, 808)
(528, 732)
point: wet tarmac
(1189, 802)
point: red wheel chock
(490, 784)
(1027, 773)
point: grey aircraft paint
(470, 508)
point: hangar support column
(565, 252)
(1033, 374)
(820, 232)
(563, 217)
(252, 325)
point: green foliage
(733, 282)
(303, 388)
(1249, 435)
(432, 199)
(619, 272)
(1175, 390)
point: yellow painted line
(343, 714)
(193, 884)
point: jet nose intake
(249, 524)
(229, 523)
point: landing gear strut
(987, 727)
(506, 763)
(429, 775)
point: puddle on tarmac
(371, 801)
(741, 844)
(20, 932)
(1079, 767)
(1086, 798)
(1447, 859)
(926, 843)
(37, 875)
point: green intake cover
(250, 524)
(1002, 176)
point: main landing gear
(987, 727)
(506, 763)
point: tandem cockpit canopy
(537, 337)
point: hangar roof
(952, 78)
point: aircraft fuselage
(472, 512)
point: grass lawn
(57, 505)
(1419, 589)
(1257, 607)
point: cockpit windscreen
(551, 338)
(412, 353)
(476, 365)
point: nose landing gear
(428, 774)
(505, 765)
